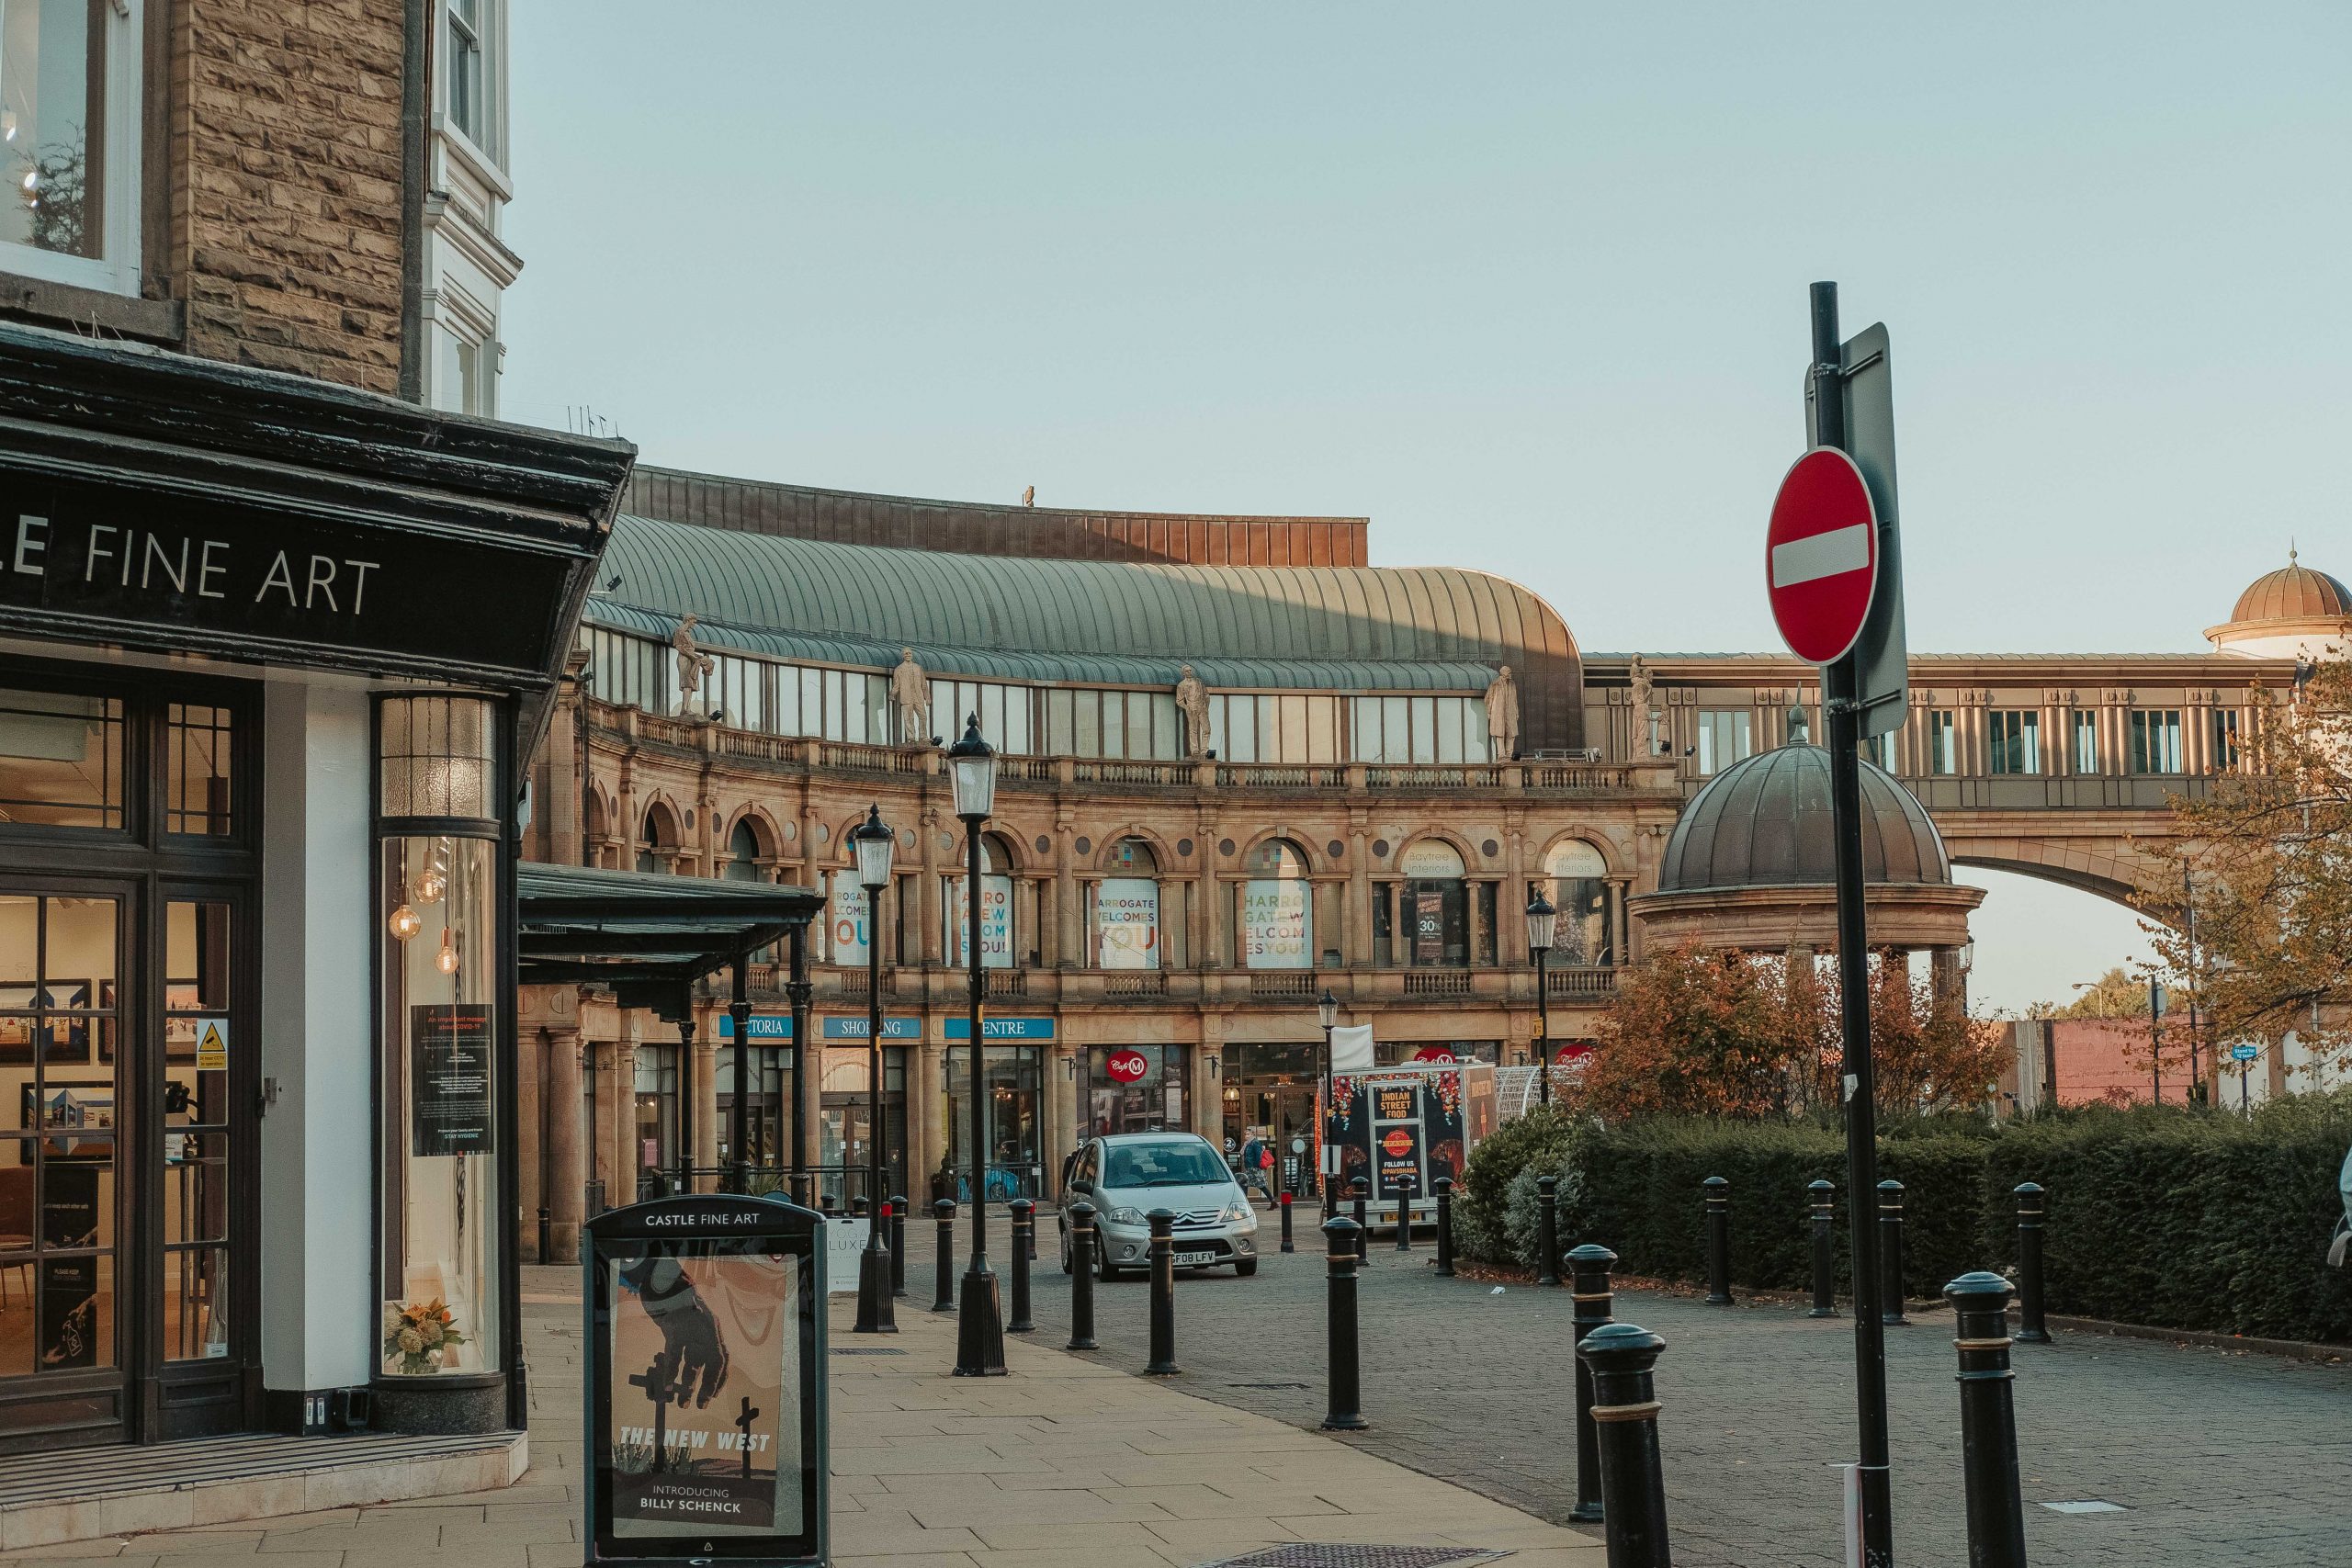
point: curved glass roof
(1124, 623)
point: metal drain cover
(1335, 1554)
(866, 1350)
(1265, 1385)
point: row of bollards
(1821, 1200)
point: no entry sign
(1821, 555)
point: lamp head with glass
(875, 845)
(1326, 1009)
(971, 761)
(1543, 922)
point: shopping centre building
(1242, 770)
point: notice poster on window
(69, 1313)
(1274, 925)
(706, 1421)
(1127, 922)
(449, 1056)
(996, 921)
(845, 922)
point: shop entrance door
(1284, 1112)
(845, 1147)
(62, 1278)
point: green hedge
(2198, 1220)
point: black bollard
(547, 1236)
(898, 1245)
(1624, 1417)
(944, 1210)
(1890, 1254)
(1404, 1222)
(1163, 1294)
(1343, 1239)
(1547, 1230)
(1718, 1203)
(1284, 1201)
(1825, 1251)
(1025, 1230)
(1588, 1268)
(1988, 1424)
(857, 1207)
(1081, 1276)
(2032, 1204)
(1445, 1227)
(1361, 1189)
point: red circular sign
(1400, 1143)
(1821, 555)
(1127, 1067)
(1433, 1054)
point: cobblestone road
(2215, 1457)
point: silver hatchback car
(1128, 1175)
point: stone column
(704, 1069)
(1061, 1112)
(566, 1178)
(1947, 981)
(618, 1102)
(530, 1153)
(931, 942)
(1070, 939)
(926, 1118)
(564, 814)
(1357, 954)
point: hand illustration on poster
(705, 1428)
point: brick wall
(283, 183)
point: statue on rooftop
(692, 663)
(1502, 716)
(910, 694)
(1193, 704)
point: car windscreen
(1189, 1163)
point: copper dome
(2293, 592)
(1764, 822)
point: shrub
(1480, 1230)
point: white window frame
(488, 149)
(115, 270)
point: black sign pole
(1843, 698)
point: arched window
(1576, 880)
(1126, 908)
(1274, 929)
(743, 853)
(1435, 905)
(660, 844)
(997, 931)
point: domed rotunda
(2292, 613)
(1751, 866)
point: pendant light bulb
(430, 887)
(446, 959)
(406, 922)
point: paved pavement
(2215, 1457)
(1066, 1463)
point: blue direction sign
(2244, 1052)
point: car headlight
(1126, 1216)
(1238, 1211)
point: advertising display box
(706, 1432)
(1404, 1127)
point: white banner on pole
(1351, 1048)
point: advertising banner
(1398, 1161)
(1274, 924)
(845, 921)
(449, 1056)
(1445, 1125)
(1127, 922)
(996, 921)
(706, 1426)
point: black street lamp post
(1543, 920)
(875, 845)
(980, 1324)
(1326, 1013)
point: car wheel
(1102, 1269)
(1243, 1269)
(1065, 1252)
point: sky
(1523, 284)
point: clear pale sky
(1524, 285)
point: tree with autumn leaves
(2252, 919)
(1693, 1032)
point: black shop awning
(647, 935)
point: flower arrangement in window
(420, 1337)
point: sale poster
(705, 1420)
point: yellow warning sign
(212, 1046)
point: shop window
(1135, 1088)
(1126, 914)
(1578, 889)
(1014, 1077)
(2015, 741)
(60, 760)
(2226, 757)
(2155, 742)
(439, 964)
(70, 105)
(198, 744)
(997, 931)
(1275, 918)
